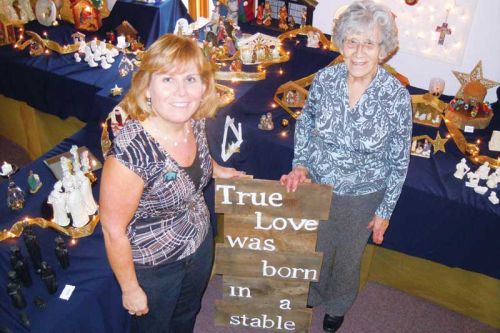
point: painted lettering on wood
(268, 257)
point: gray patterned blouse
(172, 219)
(357, 151)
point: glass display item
(46, 12)
(15, 196)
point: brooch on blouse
(169, 175)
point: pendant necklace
(165, 137)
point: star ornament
(476, 74)
(438, 143)
(116, 91)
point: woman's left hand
(378, 225)
(223, 172)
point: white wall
(483, 44)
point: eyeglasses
(367, 45)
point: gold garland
(304, 30)
(470, 150)
(17, 228)
(22, 43)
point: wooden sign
(268, 257)
(244, 197)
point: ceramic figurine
(461, 169)
(75, 205)
(86, 191)
(480, 189)
(104, 63)
(483, 170)
(493, 198)
(34, 182)
(6, 169)
(58, 200)
(473, 179)
(493, 179)
(267, 19)
(303, 18)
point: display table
(442, 243)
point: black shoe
(332, 323)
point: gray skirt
(342, 240)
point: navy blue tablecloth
(95, 305)
(58, 85)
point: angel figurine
(75, 205)
(58, 199)
(461, 169)
(86, 192)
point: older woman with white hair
(354, 134)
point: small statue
(34, 182)
(260, 14)
(48, 277)
(493, 179)
(62, 252)
(84, 159)
(58, 200)
(312, 39)
(6, 169)
(480, 189)
(291, 22)
(267, 16)
(86, 191)
(493, 198)
(229, 47)
(303, 18)
(232, 10)
(484, 170)
(266, 122)
(16, 294)
(33, 247)
(236, 65)
(76, 205)
(461, 169)
(283, 18)
(473, 179)
(77, 57)
(15, 196)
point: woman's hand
(223, 172)
(378, 226)
(294, 178)
(135, 301)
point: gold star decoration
(438, 143)
(476, 74)
(116, 91)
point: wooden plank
(240, 232)
(269, 265)
(265, 291)
(234, 314)
(234, 196)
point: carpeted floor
(378, 309)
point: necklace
(165, 137)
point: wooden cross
(443, 29)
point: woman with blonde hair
(155, 221)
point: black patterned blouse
(172, 219)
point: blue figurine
(34, 182)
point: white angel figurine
(493, 179)
(58, 198)
(483, 170)
(473, 179)
(462, 169)
(85, 188)
(75, 205)
(493, 198)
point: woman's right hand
(294, 178)
(135, 302)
